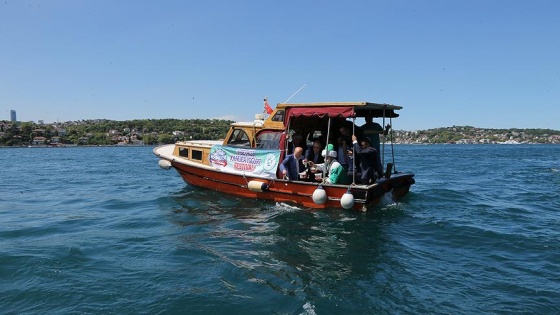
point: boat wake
(387, 203)
(287, 207)
(308, 309)
(387, 200)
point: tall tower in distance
(13, 115)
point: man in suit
(292, 164)
(372, 130)
(369, 160)
(313, 154)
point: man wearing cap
(334, 171)
(369, 160)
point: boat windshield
(268, 139)
(239, 138)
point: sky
(488, 64)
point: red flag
(267, 107)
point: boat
(246, 162)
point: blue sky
(490, 64)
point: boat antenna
(289, 98)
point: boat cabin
(310, 121)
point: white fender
(319, 195)
(165, 164)
(257, 186)
(347, 200)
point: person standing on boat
(292, 164)
(344, 143)
(369, 160)
(336, 174)
(342, 152)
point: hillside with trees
(111, 132)
(474, 135)
(161, 131)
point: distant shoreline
(165, 131)
(150, 145)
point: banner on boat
(253, 162)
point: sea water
(104, 230)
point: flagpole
(295, 93)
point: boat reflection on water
(243, 246)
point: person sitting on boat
(292, 165)
(372, 130)
(335, 173)
(313, 154)
(369, 160)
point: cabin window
(196, 155)
(269, 140)
(278, 116)
(184, 152)
(239, 137)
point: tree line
(456, 134)
(160, 131)
(108, 132)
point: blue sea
(104, 230)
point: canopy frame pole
(288, 136)
(392, 145)
(327, 149)
(353, 153)
(382, 153)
